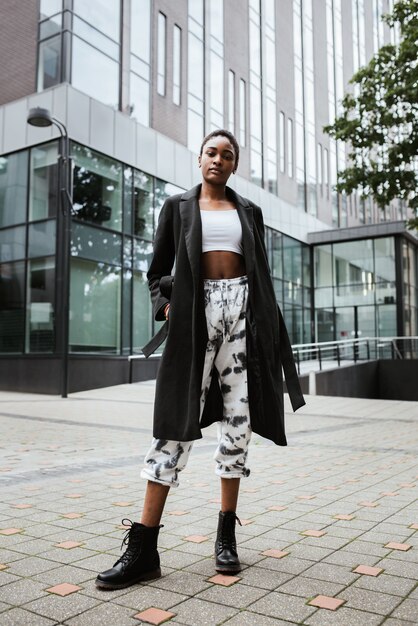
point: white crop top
(221, 230)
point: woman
(222, 362)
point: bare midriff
(222, 264)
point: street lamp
(42, 118)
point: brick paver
(330, 538)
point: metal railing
(328, 354)
(335, 353)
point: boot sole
(227, 570)
(101, 584)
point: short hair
(221, 132)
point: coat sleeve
(162, 260)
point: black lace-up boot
(226, 555)
(140, 561)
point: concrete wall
(387, 380)
(42, 374)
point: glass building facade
(138, 84)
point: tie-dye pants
(225, 309)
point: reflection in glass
(143, 252)
(282, 141)
(13, 188)
(12, 243)
(95, 306)
(12, 302)
(94, 73)
(97, 195)
(143, 205)
(96, 244)
(43, 198)
(139, 97)
(142, 318)
(95, 38)
(141, 29)
(176, 64)
(103, 14)
(49, 63)
(49, 7)
(40, 335)
(161, 59)
(42, 238)
(50, 27)
(126, 310)
(162, 191)
(231, 101)
(242, 113)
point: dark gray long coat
(177, 401)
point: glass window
(161, 61)
(282, 141)
(43, 198)
(290, 147)
(12, 302)
(141, 28)
(50, 7)
(292, 260)
(13, 188)
(95, 38)
(40, 336)
(127, 199)
(142, 256)
(323, 266)
(216, 19)
(97, 195)
(326, 169)
(42, 239)
(195, 8)
(176, 64)
(104, 14)
(96, 244)
(231, 101)
(94, 73)
(12, 243)
(242, 113)
(277, 265)
(319, 169)
(142, 318)
(195, 130)
(139, 99)
(163, 190)
(217, 82)
(50, 27)
(195, 75)
(49, 63)
(143, 205)
(95, 305)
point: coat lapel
(245, 214)
(192, 224)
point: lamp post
(42, 118)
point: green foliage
(379, 121)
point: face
(217, 160)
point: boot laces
(132, 540)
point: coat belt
(156, 341)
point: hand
(166, 310)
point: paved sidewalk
(329, 521)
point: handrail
(354, 350)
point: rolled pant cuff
(244, 473)
(149, 476)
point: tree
(380, 120)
